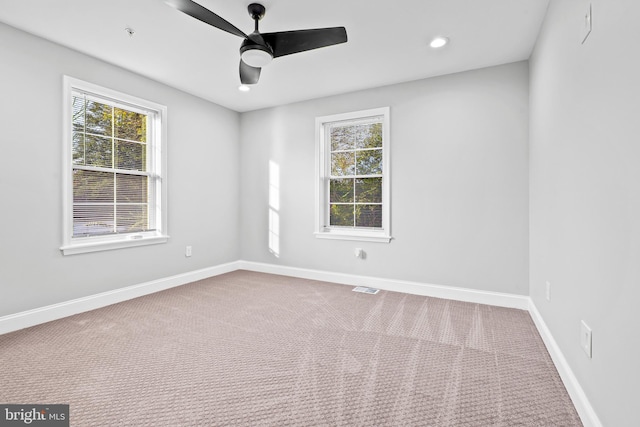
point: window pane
(341, 190)
(131, 188)
(98, 151)
(369, 136)
(98, 118)
(341, 138)
(131, 218)
(342, 164)
(369, 216)
(77, 118)
(369, 190)
(131, 156)
(341, 215)
(360, 133)
(90, 186)
(77, 148)
(92, 220)
(130, 125)
(369, 162)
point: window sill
(360, 237)
(107, 245)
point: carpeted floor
(251, 349)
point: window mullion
(110, 170)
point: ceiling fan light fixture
(244, 88)
(258, 50)
(439, 42)
(256, 57)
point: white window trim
(77, 245)
(321, 212)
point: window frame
(157, 162)
(322, 173)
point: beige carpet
(250, 349)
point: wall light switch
(187, 251)
(587, 23)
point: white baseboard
(415, 288)
(583, 406)
(25, 319)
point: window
(114, 194)
(353, 176)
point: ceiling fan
(257, 50)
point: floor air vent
(366, 290)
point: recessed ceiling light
(244, 88)
(438, 42)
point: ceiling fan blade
(288, 42)
(203, 14)
(248, 75)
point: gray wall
(202, 180)
(459, 154)
(474, 204)
(585, 196)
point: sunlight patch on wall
(274, 208)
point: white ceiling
(388, 41)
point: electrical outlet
(548, 291)
(585, 338)
(187, 251)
